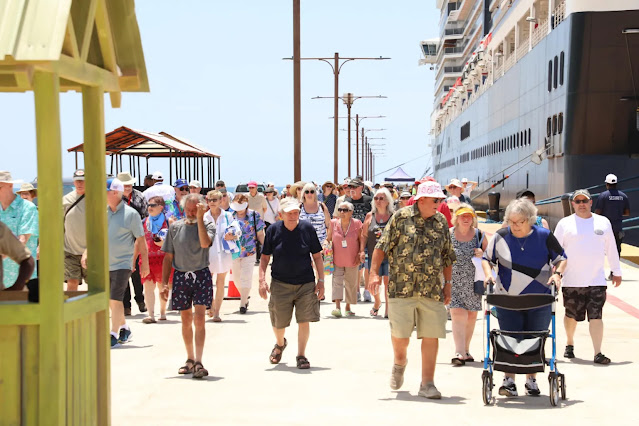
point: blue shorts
(192, 288)
(383, 268)
(537, 319)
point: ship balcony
(467, 7)
(448, 72)
(429, 50)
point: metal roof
(140, 143)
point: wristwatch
(448, 282)
(321, 280)
(560, 275)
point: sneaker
(114, 342)
(125, 335)
(337, 313)
(531, 387)
(429, 391)
(397, 376)
(508, 387)
(367, 296)
(142, 306)
(569, 352)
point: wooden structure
(186, 159)
(54, 355)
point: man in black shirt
(362, 204)
(292, 242)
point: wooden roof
(87, 42)
(139, 143)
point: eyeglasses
(212, 200)
(379, 198)
(352, 186)
(312, 191)
(580, 201)
(183, 188)
(518, 222)
(404, 198)
(224, 196)
(343, 210)
(153, 205)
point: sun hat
(356, 182)
(126, 178)
(289, 204)
(26, 187)
(454, 182)
(429, 189)
(405, 194)
(157, 176)
(297, 185)
(611, 179)
(5, 177)
(114, 184)
(464, 180)
(465, 210)
(269, 190)
(579, 192)
(78, 174)
(328, 182)
(195, 184)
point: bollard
(493, 206)
(565, 204)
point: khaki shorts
(345, 277)
(73, 269)
(428, 315)
(285, 297)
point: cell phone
(156, 239)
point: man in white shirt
(586, 238)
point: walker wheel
(562, 386)
(554, 389)
(487, 387)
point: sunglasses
(212, 200)
(312, 191)
(343, 210)
(352, 186)
(379, 198)
(153, 205)
(183, 188)
(404, 198)
(580, 201)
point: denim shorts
(537, 319)
(383, 268)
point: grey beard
(190, 221)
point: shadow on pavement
(130, 346)
(407, 396)
(294, 369)
(188, 377)
(227, 321)
(579, 361)
(540, 402)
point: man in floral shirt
(419, 249)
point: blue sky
(217, 78)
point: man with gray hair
(187, 251)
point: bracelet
(320, 280)
(447, 282)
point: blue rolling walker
(521, 352)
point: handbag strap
(480, 237)
(271, 207)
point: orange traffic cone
(233, 294)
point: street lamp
(336, 66)
(349, 99)
(366, 152)
(358, 120)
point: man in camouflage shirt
(419, 249)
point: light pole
(358, 120)
(297, 97)
(369, 155)
(337, 66)
(349, 99)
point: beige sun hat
(454, 182)
(297, 185)
(26, 187)
(126, 178)
(5, 177)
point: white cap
(289, 204)
(464, 180)
(195, 184)
(157, 176)
(611, 179)
(454, 182)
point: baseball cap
(464, 180)
(289, 204)
(356, 182)
(220, 183)
(252, 184)
(579, 192)
(611, 179)
(429, 189)
(126, 178)
(157, 176)
(180, 183)
(404, 194)
(454, 182)
(114, 184)
(525, 193)
(195, 184)
(78, 174)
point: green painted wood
(10, 383)
(30, 374)
(52, 337)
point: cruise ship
(538, 94)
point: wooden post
(52, 389)
(97, 244)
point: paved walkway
(348, 382)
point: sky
(217, 78)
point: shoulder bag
(478, 286)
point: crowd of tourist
(419, 245)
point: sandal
(350, 313)
(209, 312)
(185, 369)
(217, 319)
(469, 358)
(601, 359)
(458, 360)
(275, 357)
(302, 362)
(375, 311)
(149, 320)
(162, 318)
(200, 372)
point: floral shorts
(192, 288)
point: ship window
(560, 125)
(510, 144)
(561, 68)
(549, 76)
(522, 139)
(554, 125)
(528, 136)
(465, 131)
(517, 140)
(556, 73)
(548, 127)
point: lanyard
(347, 229)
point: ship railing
(522, 49)
(540, 32)
(559, 14)
(510, 61)
(499, 71)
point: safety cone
(233, 294)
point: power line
(394, 167)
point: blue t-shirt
(291, 251)
(612, 203)
(524, 263)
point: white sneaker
(508, 387)
(531, 387)
(429, 391)
(367, 296)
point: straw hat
(26, 187)
(328, 182)
(5, 177)
(126, 178)
(297, 185)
